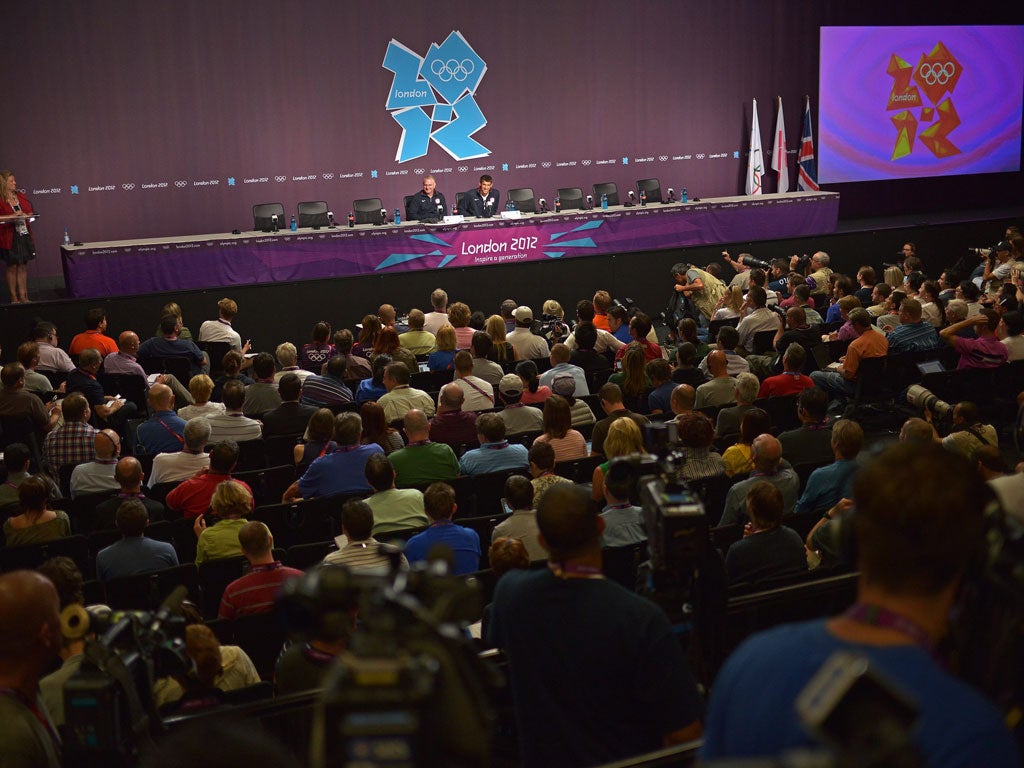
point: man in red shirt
(791, 381)
(639, 327)
(256, 591)
(93, 337)
(192, 497)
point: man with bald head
(124, 363)
(768, 466)
(721, 389)
(422, 460)
(105, 409)
(129, 476)
(164, 431)
(452, 425)
(29, 645)
(97, 476)
(682, 400)
(389, 318)
(912, 334)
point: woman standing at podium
(16, 246)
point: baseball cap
(522, 314)
(1002, 246)
(510, 384)
(564, 385)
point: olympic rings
(937, 74)
(452, 69)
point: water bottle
(351, 219)
(294, 224)
(455, 210)
(604, 201)
(67, 237)
(643, 197)
(558, 205)
(685, 197)
(398, 216)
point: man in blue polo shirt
(495, 453)
(439, 504)
(164, 432)
(341, 471)
(912, 334)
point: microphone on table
(383, 215)
(440, 208)
(330, 219)
(671, 195)
(543, 205)
(632, 199)
(273, 223)
(590, 202)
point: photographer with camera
(997, 267)
(968, 432)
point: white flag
(755, 162)
(780, 163)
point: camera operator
(997, 267)
(29, 644)
(968, 433)
(696, 293)
(912, 556)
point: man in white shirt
(439, 316)
(478, 394)
(400, 397)
(97, 476)
(760, 318)
(221, 330)
(560, 366)
(192, 458)
(527, 344)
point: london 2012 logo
(936, 75)
(437, 88)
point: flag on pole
(807, 175)
(780, 163)
(755, 161)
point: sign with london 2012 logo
(438, 88)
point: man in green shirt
(421, 461)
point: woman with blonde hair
(623, 438)
(231, 502)
(201, 389)
(16, 246)
(730, 304)
(443, 358)
(502, 351)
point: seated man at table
(428, 204)
(482, 201)
(169, 345)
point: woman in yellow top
(739, 458)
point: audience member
(394, 509)
(342, 470)
(231, 502)
(969, 432)
(51, 357)
(192, 458)
(827, 485)
(696, 434)
(362, 552)
(464, 543)
(164, 431)
(518, 417)
(18, 402)
(521, 520)
(329, 390)
(841, 383)
(400, 397)
(417, 340)
(624, 439)
(560, 366)
(452, 425)
(912, 334)
(478, 395)
(791, 381)
(201, 389)
(985, 351)
(377, 430)
(767, 456)
(542, 469)
(746, 392)
(811, 442)
(443, 358)
(256, 591)
(233, 424)
(533, 391)
(423, 460)
(768, 549)
(124, 363)
(171, 344)
(97, 476)
(221, 328)
(739, 457)
(623, 520)
(193, 496)
(134, 553)
(262, 395)
(36, 524)
(291, 416)
(94, 337)
(129, 477)
(721, 388)
(567, 442)
(727, 341)
(495, 453)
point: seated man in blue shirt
(428, 204)
(439, 504)
(495, 454)
(482, 201)
(169, 345)
(827, 485)
(343, 470)
(912, 334)
(164, 432)
(912, 555)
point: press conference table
(130, 267)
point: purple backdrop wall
(152, 118)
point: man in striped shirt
(233, 424)
(912, 334)
(362, 552)
(255, 592)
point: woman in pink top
(533, 392)
(567, 443)
(458, 316)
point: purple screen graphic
(944, 74)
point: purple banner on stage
(183, 264)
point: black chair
(652, 187)
(32, 556)
(21, 429)
(279, 450)
(262, 637)
(313, 214)
(399, 536)
(179, 367)
(298, 522)
(262, 216)
(431, 381)
(251, 455)
(781, 411)
(484, 527)
(805, 469)
(570, 198)
(714, 325)
(131, 388)
(762, 343)
(269, 484)
(215, 350)
(579, 470)
(306, 556)
(458, 199)
(214, 577)
(147, 591)
(368, 210)
(620, 564)
(82, 511)
(712, 492)
(523, 200)
(608, 188)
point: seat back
(215, 350)
(214, 577)
(263, 213)
(145, 592)
(261, 636)
(522, 198)
(608, 188)
(652, 187)
(570, 198)
(313, 214)
(306, 556)
(368, 210)
(714, 325)
(32, 556)
(620, 564)
(300, 522)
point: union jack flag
(807, 175)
